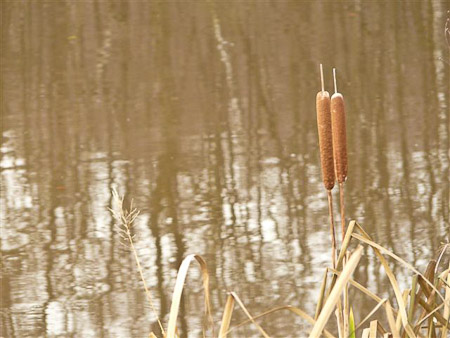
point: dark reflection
(204, 114)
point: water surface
(205, 115)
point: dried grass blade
(366, 239)
(179, 286)
(345, 243)
(293, 309)
(443, 276)
(235, 296)
(226, 317)
(336, 293)
(446, 306)
(371, 313)
(344, 247)
(339, 320)
(429, 276)
(431, 313)
(345, 311)
(322, 296)
(398, 323)
(388, 308)
(365, 333)
(391, 320)
(430, 310)
(359, 287)
(443, 250)
(412, 299)
(373, 329)
(378, 249)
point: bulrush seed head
(325, 138)
(339, 136)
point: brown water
(205, 115)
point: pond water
(204, 114)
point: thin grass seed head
(125, 218)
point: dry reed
(432, 297)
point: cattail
(339, 145)
(326, 154)
(325, 136)
(339, 133)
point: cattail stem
(332, 232)
(342, 206)
(321, 78)
(334, 79)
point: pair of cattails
(333, 148)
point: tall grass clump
(422, 309)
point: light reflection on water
(205, 116)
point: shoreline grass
(422, 310)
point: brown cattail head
(339, 133)
(339, 136)
(325, 138)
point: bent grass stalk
(179, 286)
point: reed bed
(420, 310)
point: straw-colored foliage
(422, 310)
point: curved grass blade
(378, 249)
(323, 289)
(366, 239)
(226, 317)
(238, 300)
(371, 313)
(179, 286)
(447, 305)
(391, 320)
